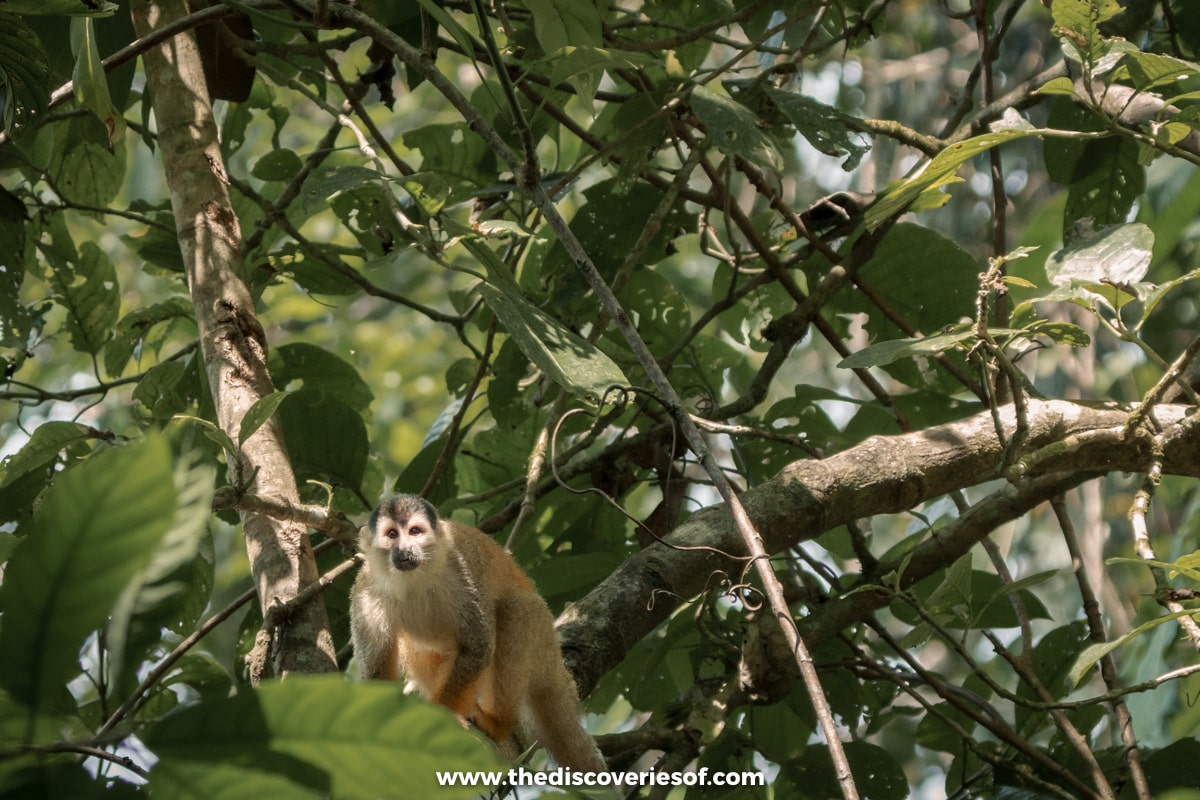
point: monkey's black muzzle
(404, 560)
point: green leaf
(881, 353)
(1062, 85)
(927, 278)
(734, 129)
(43, 448)
(1157, 294)
(934, 734)
(937, 172)
(100, 524)
(455, 151)
(1107, 182)
(328, 182)
(1092, 654)
(163, 390)
(305, 365)
(428, 190)
(606, 226)
(1119, 254)
(448, 23)
(277, 165)
(1153, 70)
(657, 308)
(139, 331)
(876, 772)
(1063, 333)
(562, 23)
(313, 272)
(1078, 21)
(1183, 566)
(1052, 659)
(74, 8)
(567, 358)
(1022, 584)
(90, 81)
(158, 246)
(326, 438)
(152, 598)
(314, 736)
(825, 128)
(584, 66)
(24, 74)
(82, 166)
(92, 298)
(259, 413)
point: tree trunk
(232, 341)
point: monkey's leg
(427, 670)
(503, 689)
(459, 688)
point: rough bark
(1066, 443)
(233, 344)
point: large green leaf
(81, 164)
(928, 280)
(99, 526)
(143, 331)
(567, 358)
(1152, 70)
(24, 73)
(326, 438)
(75, 8)
(305, 365)
(612, 220)
(825, 128)
(313, 737)
(734, 129)
(937, 172)
(91, 297)
(883, 353)
(1093, 653)
(1108, 181)
(1119, 254)
(91, 84)
(42, 449)
(563, 23)
(177, 581)
(1078, 23)
(876, 772)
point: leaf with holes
(567, 358)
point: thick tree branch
(232, 341)
(882, 475)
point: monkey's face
(402, 533)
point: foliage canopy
(910, 284)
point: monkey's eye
(416, 530)
(392, 533)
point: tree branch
(232, 341)
(882, 475)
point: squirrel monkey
(446, 607)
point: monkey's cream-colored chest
(425, 613)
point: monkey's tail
(555, 718)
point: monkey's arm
(375, 644)
(473, 654)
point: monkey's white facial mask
(406, 542)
